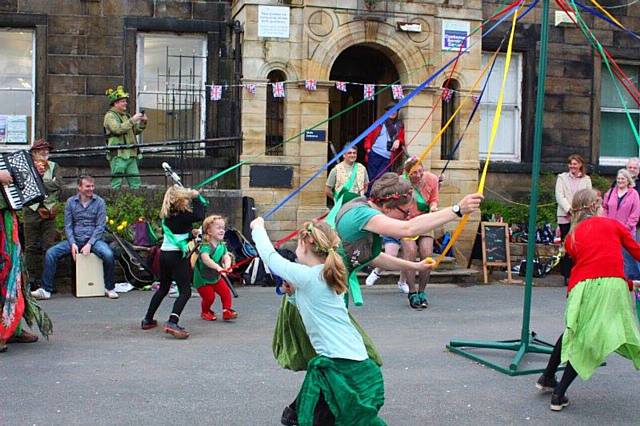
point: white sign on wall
(273, 21)
(455, 33)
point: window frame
(518, 107)
(609, 160)
(201, 37)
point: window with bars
(171, 78)
(617, 141)
(507, 145)
(17, 86)
(275, 116)
(450, 102)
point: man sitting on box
(85, 217)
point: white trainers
(372, 278)
(404, 287)
(173, 291)
(111, 294)
(41, 294)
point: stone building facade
(324, 36)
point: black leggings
(322, 416)
(173, 266)
(554, 361)
(565, 263)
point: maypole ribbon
(492, 138)
(444, 128)
(505, 11)
(377, 122)
(605, 56)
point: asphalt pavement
(99, 368)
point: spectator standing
(120, 128)
(348, 175)
(39, 218)
(567, 184)
(384, 144)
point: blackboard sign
(495, 247)
(270, 176)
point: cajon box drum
(89, 276)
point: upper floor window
(507, 143)
(275, 117)
(17, 86)
(449, 104)
(617, 142)
(171, 78)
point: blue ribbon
(602, 16)
(386, 115)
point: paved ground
(100, 368)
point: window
(17, 86)
(617, 142)
(171, 78)
(507, 144)
(449, 105)
(275, 117)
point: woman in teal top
(341, 377)
(361, 221)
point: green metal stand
(527, 342)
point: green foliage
(547, 207)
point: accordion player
(27, 187)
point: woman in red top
(599, 318)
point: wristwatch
(456, 210)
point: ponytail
(325, 242)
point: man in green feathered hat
(121, 129)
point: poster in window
(16, 130)
(3, 128)
(273, 21)
(454, 34)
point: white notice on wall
(455, 33)
(16, 130)
(273, 21)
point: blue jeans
(63, 248)
(631, 270)
(375, 165)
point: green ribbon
(169, 235)
(344, 196)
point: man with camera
(120, 128)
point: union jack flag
(216, 93)
(341, 86)
(446, 94)
(251, 88)
(278, 89)
(396, 89)
(475, 99)
(310, 85)
(369, 91)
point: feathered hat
(116, 95)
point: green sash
(209, 273)
(345, 195)
(181, 244)
(420, 201)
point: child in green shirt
(213, 262)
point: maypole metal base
(519, 346)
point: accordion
(27, 187)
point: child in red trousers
(213, 260)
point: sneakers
(414, 301)
(111, 294)
(175, 330)
(208, 316)
(547, 384)
(148, 324)
(289, 417)
(229, 314)
(424, 303)
(403, 286)
(372, 278)
(558, 402)
(41, 294)
(173, 291)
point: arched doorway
(364, 64)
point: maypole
(527, 342)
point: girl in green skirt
(599, 316)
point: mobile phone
(143, 112)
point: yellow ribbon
(492, 138)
